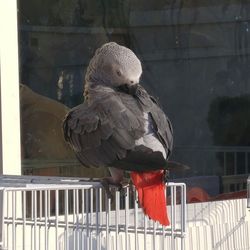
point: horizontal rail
(71, 225)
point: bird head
(112, 66)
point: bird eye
(118, 73)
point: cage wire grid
(75, 213)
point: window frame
(10, 143)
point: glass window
(195, 57)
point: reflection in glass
(195, 59)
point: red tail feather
(151, 192)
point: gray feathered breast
(104, 132)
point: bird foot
(125, 183)
(122, 187)
(165, 175)
(106, 185)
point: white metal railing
(73, 213)
(64, 213)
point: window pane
(195, 58)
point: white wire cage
(75, 213)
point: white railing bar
(100, 218)
(163, 237)
(117, 209)
(107, 221)
(87, 219)
(97, 209)
(45, 186)
(8, 212)
(71, 225)
(145, 233)
(13, 221)
(136, 216)
(172, 218)
(24, 218)
(174, 198)
(56, 218)
(32, 217)
(77, 220)
(83, 216)
(49, 191)
(91, 216)
(52, 179)
(74, 218)
(33, 187)
(126, 217)
(49, 184)
(31, 204)
(184, 209)
(45, 215)
(34, 206)
(2, 206)
(40, 211)
(66, 213)
(154, 236)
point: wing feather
(105, 130)
(161, 124)
(163, 128)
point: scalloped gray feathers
(105, 129)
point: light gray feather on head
(113, 65)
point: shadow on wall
(44, 151)
(41, 127)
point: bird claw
(126, 183)
(106, 185)
(165, 175)
(121, 187)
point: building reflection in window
(195, 59)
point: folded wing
(103, 132)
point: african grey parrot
(119, 125)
